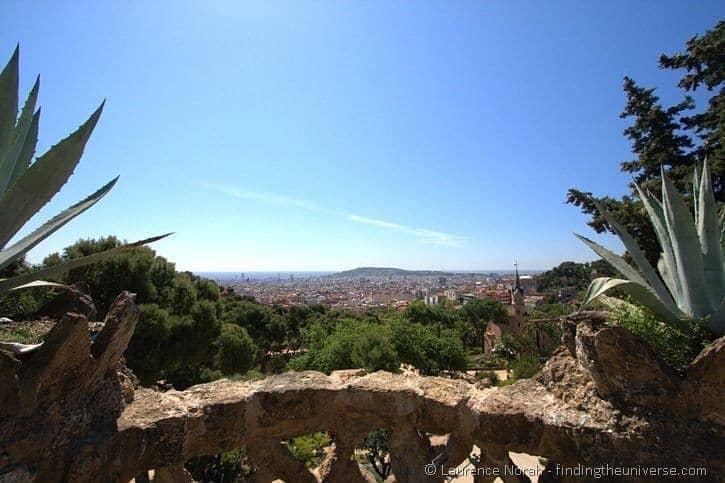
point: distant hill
(368, 272)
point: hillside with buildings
(371, 272)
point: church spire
(517, 293)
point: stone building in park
(516, 311)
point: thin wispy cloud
(425, 236)
(372, 221)
(422, 235)
(266, 198)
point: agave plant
(26, 186)
(691, 282)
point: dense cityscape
(366, 289)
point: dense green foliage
(309, 448)
(477, 314)
(551, 311)
(492, 377)
(350, 343)
(525, 367)
(666, 136)
(19, 303)
(187, 333)
(380, 342)
(572, 274)
(673, 346)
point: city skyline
(323, 137)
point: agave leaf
(613, 303)
(667, 265)
(20, 349)
(722, 233)
(696, 194)
(686, 248)
(653, 280)
(40, 283)
(26, 154)
(614, 260)
(708, 230)
(43, 180)
(51, 226)
(57, 270)
(641, 293)
(9, 158)
(9, 99)
(668, 275)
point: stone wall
(71, 412)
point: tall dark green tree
(477, 314)
(676, 137)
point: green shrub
(525, 367)
(429, 348)
(235, 354)
(490, 375)
(374, 352)
(309, 448)
(674, 347)
(350, 344)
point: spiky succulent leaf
(692, 263)
(668, 276)
(10, 156)
(20, 248)
(8, 99)
(687, 252)
(708, 230)
(696, 193)
(43, 179)
(614, 260)
(667, 266)
(39, 284)
(643, 294)
(28, 151)
(25, 188)
(649, 273)
(57, 270)
(722, 232)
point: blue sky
(328, 135)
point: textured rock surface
(75, 299)
(703, 391)
(624, 368)
(71, 412)
(60, 399)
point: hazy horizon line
(482, 270)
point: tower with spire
(517, 293)
(516, 313)
(517, 309)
